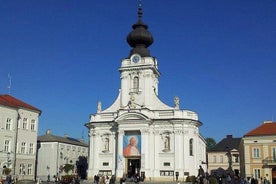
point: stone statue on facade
(176, 102)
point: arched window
(136, 84)
(191, 145)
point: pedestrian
(112, 180)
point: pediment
(131, 117)
(234, 150)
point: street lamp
(8, 159)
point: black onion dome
(140, 38)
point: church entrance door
(133, 167)
(274, 175)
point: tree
(67, 168)
(7, 171)
(82, 166)
(210, 143)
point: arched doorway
(274, 175)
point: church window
(191, 145)
(136, 84)
(105, 163)
(167, 164)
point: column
(145, 150)
(91, 153)
(120, 159)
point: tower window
(191, 142)
(136, 84)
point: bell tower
(139, 72)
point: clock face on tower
(135, 58)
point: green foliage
(210, 143)
(191, 179)
(68, 167)
(7, 171)
(213, 180)
(82, 166)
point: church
(139, 134)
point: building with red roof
(18, 136)
(259, 152)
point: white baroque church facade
(138, 133)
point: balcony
(269, 161)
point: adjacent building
(18, 136)
(259, 152)
(224, 158)
(54, 152)
(138, 133)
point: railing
(269, 161)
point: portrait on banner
(132, 145)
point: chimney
(48, 132)
(267, 122)
(229, 136)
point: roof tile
(228, 143)
(10, 101)
(267, 128)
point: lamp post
(6, 167)
(8, 159)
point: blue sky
(217, 56)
